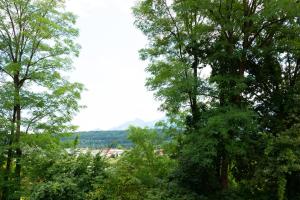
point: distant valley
(102, 139)
(115, 137)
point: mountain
(101, 139)
(136, 122)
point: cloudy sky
(109, 65)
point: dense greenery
(142, 172)
(36, 48)
(230, 72)
(226, 71)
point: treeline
(101, 139)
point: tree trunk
(224, 172)
(223, 166)
(194, 104)
(18, 153)
(7, 181)
(17, 140)
(14, 146)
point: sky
(109, 66)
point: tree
(254, 73)
(176, 51)
(37, 44)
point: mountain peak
(136, 122)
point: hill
(100, 139)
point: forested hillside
(227, 74)
(101, 139)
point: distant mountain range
(114, 137)
(136, 122)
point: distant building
(111, 152)
(106, 152)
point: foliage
(232, 69)
(139, 170)
(227, 74)
(37, 44)
(54, 174)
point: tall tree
(253, 71)
(241, 29)
(37, 44)
(175, 50)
